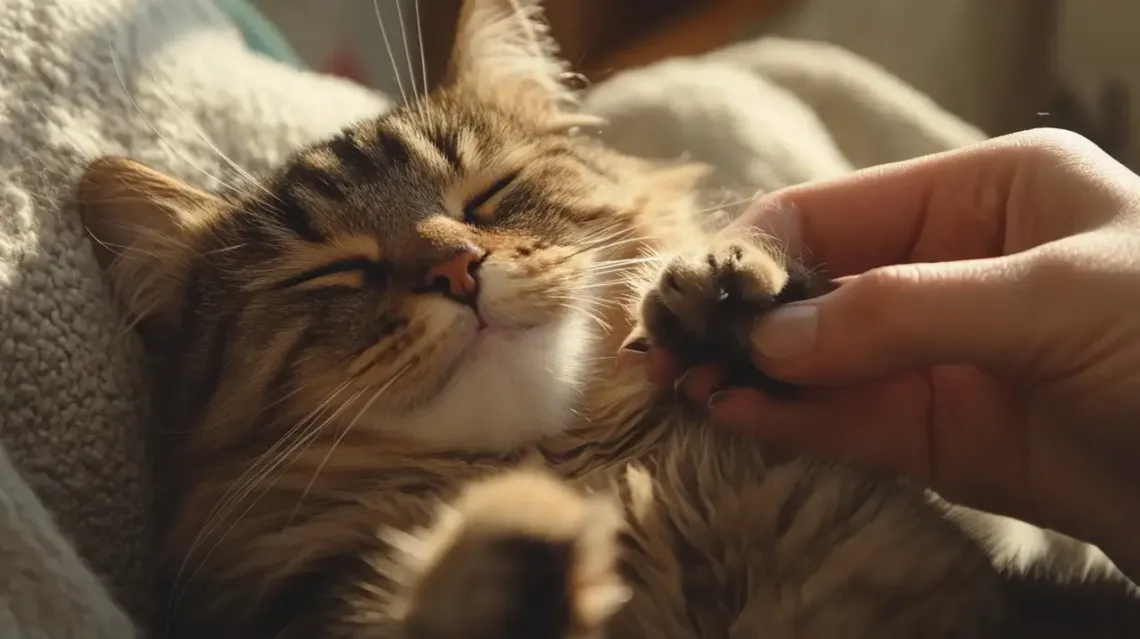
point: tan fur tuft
(503, 50)
(143, 225)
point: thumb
(904, 317)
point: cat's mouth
(484, 335)
(485, 345)
(508, 328)
(493, 321)
(492, 332)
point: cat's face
(436, 274)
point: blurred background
(1003, 65)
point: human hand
(986, 340)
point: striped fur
(338, 457)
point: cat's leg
(520, 554)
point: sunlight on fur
(391, 406)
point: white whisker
(243, 485)
(225, 249)
(420, 44)
(618, 243)
(596, 239)
(225, 506)
(585, 303)
(253, 181)
(407, 50)
(177, 151)
(368, 404)
(629, 261)
(587, 288)
(304, 442)
(388, 47)
(724, 205)
(588, 313)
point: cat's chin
(511, 386)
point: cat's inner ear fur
(503, 50)
(143, 225)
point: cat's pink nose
(456, 275)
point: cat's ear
(143, 224)
(504, 51)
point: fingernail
(787, 332)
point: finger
(661, 367)
(888, 209)
(1004, 195)
(902, 318)
(698, 383)
(845, 424)
(948, 427)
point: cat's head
(435, 273)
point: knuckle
(872, 295)
(883, 283)
(1054, 146)
(1049, 265)
(1057, 269)
(883, 299)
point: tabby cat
(391, 408)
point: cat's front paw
(518, 555)
(705, 304)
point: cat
(389, 404)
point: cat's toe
(705, 304)
(708, 300)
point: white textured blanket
(169, 83)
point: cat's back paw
(518, 555)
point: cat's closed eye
(481, 209)
(353, 273)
